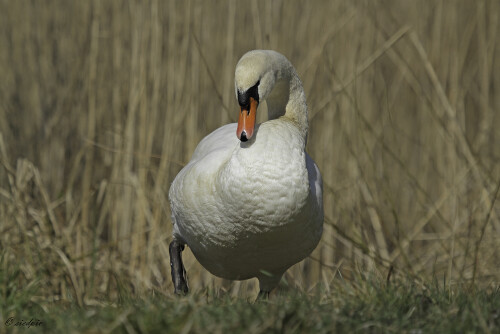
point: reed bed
(103, 102)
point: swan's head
(255, 77)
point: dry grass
(102, 103)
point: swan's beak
(246, 122)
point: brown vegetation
(102, 103)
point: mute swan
(251, 205)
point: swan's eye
(254, 91)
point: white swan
(251, 205)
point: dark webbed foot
(177, 268)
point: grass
(365, 304)
(402, 308)
(103, 102)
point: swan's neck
(288, 100)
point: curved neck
(287, 100)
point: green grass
(399, 308)
(364, 304)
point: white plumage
(254, 208)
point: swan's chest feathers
(265, 184)
(254, 189)
(251, 209)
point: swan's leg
(263, 295)
(177, 268)
(267, 283)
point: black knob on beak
(243, 136)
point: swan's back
(222, 138)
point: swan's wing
(213, 151)
(315, 181)
(223, 138)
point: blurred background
(103, 102)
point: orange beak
(246, 122)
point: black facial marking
(244, 97)
(243, 136)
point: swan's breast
(266, 183)
(250, 206)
